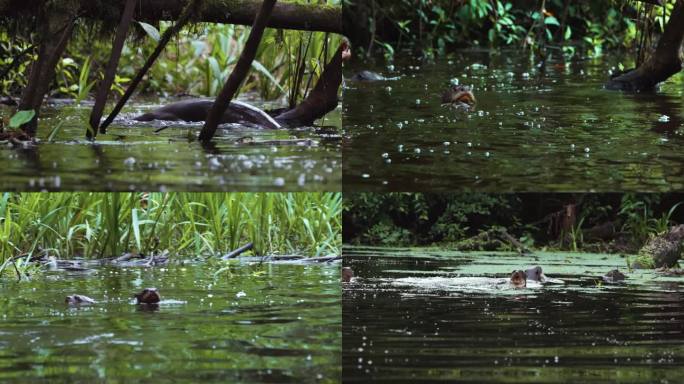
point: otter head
(458, 94)
(148, 296)
(615, 275)
(535, 274)
(347, 274)
(518, 279)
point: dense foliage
(433, 27)
(402, 219)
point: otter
(613, 276)
(535, 274)
(347, 274)
(368, 76)
(459, 96)
(519, 279)
(79, 300)
(321, 100)
(148, 296)
(197, 110)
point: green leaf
(551, 20)
(568, 33)
(22, 117)
(150, 30)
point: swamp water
(131, 156)
(531, 130)
(403, 323)
(256, 323)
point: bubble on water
(385, 155)
(240, 294)
(664, 118)
(586, 149)
(365, 175)
(129, 162)
(417, 150)
(469, 144)
(279, 182)
(446, 143)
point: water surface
(555, 129)
(268, 323)
(133, 157)
(400, 326)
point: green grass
(97, 225)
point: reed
(98, 225)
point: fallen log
(286, 15)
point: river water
(532, 129)
(253, 323)
(133, 157)
(402, 324)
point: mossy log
(662, 250)
(286, 15)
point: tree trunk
(240, 71)
(665, 62)
(322, 99)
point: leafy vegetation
(432, 26)
(197, 62)
(589, 222)
(96, 225)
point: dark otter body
(368, 76)
(613, 276)
(148, 296)
(197, 110)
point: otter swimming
(459, 96)
(321, 100)
(613, 276)
(347, 274)
(518, 279)
(197, 110)
(148, 296)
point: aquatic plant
(97, 225)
